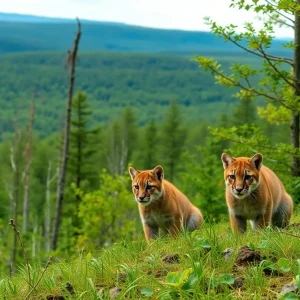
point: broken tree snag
(61, 182)
(28, 156)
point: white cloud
(179, 14)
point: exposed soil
(51, 297)
(247, 256)
(122, 277)
(238, 283)
(161, 273)
(171, 258)
(70, 288)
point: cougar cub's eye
(136, 187)
(232, 176)
(148, 187)
(248, 177)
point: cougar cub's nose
(238, 190)
(142, 197)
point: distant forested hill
(20, 33)
(146, 82)
(119, 65)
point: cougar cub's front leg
(263, 220)
(238, 224)
(151, 232)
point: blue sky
(175, 14)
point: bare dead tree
(48, 207)
(61, 183)
(17, 234)
(295, 122)
(15, 160)
(39, 279)
(28, 151)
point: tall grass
(141, 271)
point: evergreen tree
(173, 140)
(83, 147)
(150, 146)
(83, 142)
(244, 112)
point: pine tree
(173, 140)
(150, 145)
(244, 112)
(84, 143)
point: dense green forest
(146, 82)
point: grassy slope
(134, 266)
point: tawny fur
(255, 193)
(161, 204)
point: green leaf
(284, 264)
(190, 283)
(271, 267)
(226, 279)
(172, 278)
(263, 244)
(204, 243)
(147, 292)
(290, 296)
(88, 256)
(252, 246)
(298, 282)
(184, 276)
(177, 279)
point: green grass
(201, 273)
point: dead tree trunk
(60, 188)
(48, 209)
(295, 115)
(28, 151)
(15, 159)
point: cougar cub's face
(146, 185)
(241, 174)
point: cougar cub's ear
(158, 172)
(256, 161)
(227, 160)
(133, 172)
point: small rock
(70, 288)
(51, 297)
(247, 256)
(161, 273)
(114, 292)
(238, 283)
(227, 253)
(122, 276)
(171, 258)
(291, 287)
